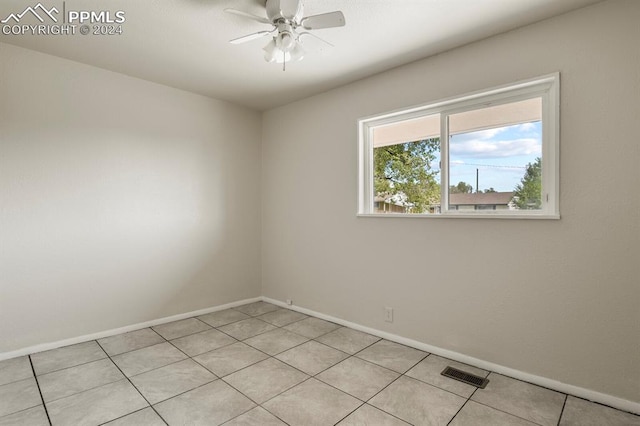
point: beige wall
(123, 201)
(558, 299)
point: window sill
(462, 216)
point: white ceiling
(184, 43)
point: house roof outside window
(488, 198)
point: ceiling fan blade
(315, 45)
(316, 38)
(248, 15)
(324, 20)
(290, 8)
(250, 37)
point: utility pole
(477, 178)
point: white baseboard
(591, 395)
(94, 336)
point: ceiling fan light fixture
(269, 51)
(285, 41)
(297, 53)
(286, 18)
(274, 54)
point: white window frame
(546, 87)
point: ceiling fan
(287, 18)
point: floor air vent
(463, 377)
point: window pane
(495, 157)
(406, 166)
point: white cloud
(479, 148)
(526, 127)
(480, 134)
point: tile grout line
(185, 335)
(276, 328)
(133, 350)
(293, 347)
(392, 382)
(321, 371)
(228, 374)
(539, 386)
(490, 372)
(446, 390)
(463, 405)
(158, 368)
(363, 402)
(241, 414)
(353, 355)
(182, 352)
(197, 363)
(505, 412)
(190, 358)
(278, 394)
(564, 404)
(46, 411)
(85, 390)
(269, 356)
(602, 405)
(291, 366)
(222, 325)
(224, 381)
(153, 369)
(241, 340)
(313, 339)
(125, 415)
(352, 411)
(274, 355)
(251, 409)
(16, 381)
(206, 352)
(375, 408)
(134, 386)
(245, 367)
(72, 366)
(365, 361)
(274, 415)
(181, 393)
(171, 363)
(331, 347)
(380, 391)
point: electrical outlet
(289, 302)
(388, 314)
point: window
(487, 154)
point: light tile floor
(259, 364)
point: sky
(500, 155)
